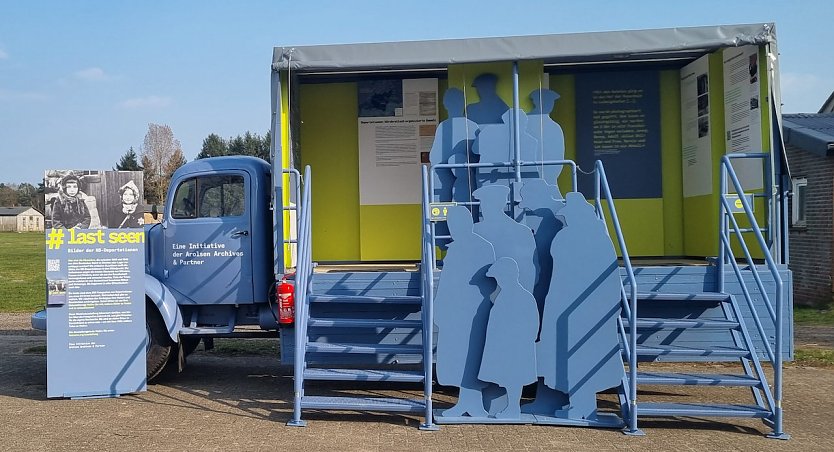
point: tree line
(158, 158)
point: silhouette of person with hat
(578, 352)
(508, 237)
(461, 313)
(548, 133)
(490, 107)
(509, 358)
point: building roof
(828, 106)
(15, 211)
(685, 43)
(812, 132)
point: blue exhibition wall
(618, 122)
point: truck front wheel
(159, 345)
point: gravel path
(244, 402)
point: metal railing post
(728, 172)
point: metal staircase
(335, 310)
(391, 310)
(767, 399)
(743, 350)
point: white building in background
(20, 219)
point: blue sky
(80, 81)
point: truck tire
(159, 345)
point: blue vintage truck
(711, 269)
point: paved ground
(243, 402)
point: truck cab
(208, 263)
(214, 244)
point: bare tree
(161, 156)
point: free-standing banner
(95, 261)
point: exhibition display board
(95, 265)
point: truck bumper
(39, 320)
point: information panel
(397, 121)
(742, 112)
(95, 265)
(696, 135)
(618, 122)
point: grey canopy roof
(620, 46)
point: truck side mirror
(154, 212)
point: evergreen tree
(213, 146)
(27, 194)
(247, 144)
(129, 161)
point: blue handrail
(569, 163)
(278, 235)
(629, 303)
(303, 274)
(726, 255)
(427, 294)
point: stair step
(658, 323)
(364, 375)
(703, 296)
(324, 347)
(669, 350)
(364, 323)
(362, 404)
(700, 409)
(393, 299)
(659, 378)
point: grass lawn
(817, 357)
(22, 271)
(803, 315)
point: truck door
(208, 243)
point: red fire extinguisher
(286, 302)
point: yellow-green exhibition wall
(330, 145)
(345, 231)
(700, 213)
(342, 229)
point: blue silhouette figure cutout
(490, 106)
(579, 350)
(464, 179)
(495, 145)
(547, 132)
(453, 136)
(540, 203)
(453, 141)
(508, 239)
(509, 358)
(461, 313)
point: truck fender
(166, 304)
